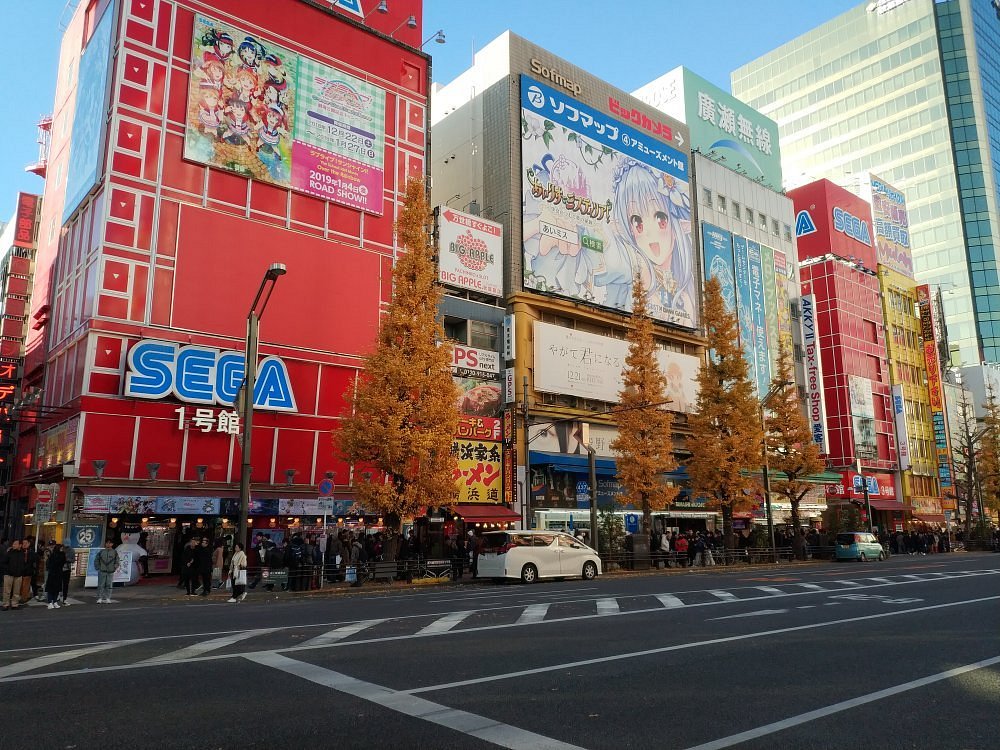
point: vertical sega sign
(814, 372)
(203, 375)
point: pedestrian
(66, 575)
(358, 558)
(681, 547)
(477, 549)
(238, 573)
(106, 563)
(53, 581)
(13, 570)
(144, 556)
(203, 561)
(189, 566)
(218, 564)
(29, 584)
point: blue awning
(573, 462)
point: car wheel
(529, 573)
(881, 556)
(589, 571)
(863, 557)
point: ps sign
(202, 375)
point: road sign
(632, 523)
(43, 509)
(326, 488)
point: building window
(484, 335)
(787, 233)
(706, 196)
(736, 210)
(749, 215)
(762, 222)
(774, 227)
(721, 204)
(457, 330)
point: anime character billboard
(603, 202)
(266, 113)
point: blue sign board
(744, 304)
(84, 536)
(632, 523)
(759, 315)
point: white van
(530, 555)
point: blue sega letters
(202, 375)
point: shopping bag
(241, 578)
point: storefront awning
(480, 513)
(878, 504)
(572, 462)
(929, 517)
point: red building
(844, 339)
(198, 143)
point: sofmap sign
(814, 372)
(203, 375)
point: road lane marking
(758, 613)
(770, 590)
(811, 586)
(39, 662)
(792, 721)
(474, 725)
(724, 596)
(608, 607)
(444, 624)
(880, 580)
(681, 646)
(855, 584)
(669, 601)
(533, 613)
(198, 649)
(338, 634)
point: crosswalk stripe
(43, 661)
(669, 601)
(913, 577)
(197, 649)
(533, 613)
(880, 580)
(723, 595)
(444, 624)
(481, 727)
(770, 590)
(811, 586)
(855, 584)
(339, 634)
(607, 607)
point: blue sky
(627, 44)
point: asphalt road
(899, 654)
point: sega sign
(203, 375)
(832, 220)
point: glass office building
(908, 89)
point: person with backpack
(295, 561)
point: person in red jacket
(681, 547)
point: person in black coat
(189, 566)
(203, 564)
(53, 580)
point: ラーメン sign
(203, 375)
(470, 253)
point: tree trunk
(727, 526)
(798, 543)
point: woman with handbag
(238, 573)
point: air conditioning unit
(70, 471)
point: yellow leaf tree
(989, 457)
(645, 438)
(725, 439)
(790, 446)
(405, 410)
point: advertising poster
(478, 476)
(770, 303)
(862, 417)
(762, 360)
(262, 111)
(813, 365)
(603, 202)
(902, 434)
(892, 227)
(339, 140)
(470, 252)
(744, 304)
(478, 397)
(88, 120)
(590, 365)
(782, 270)
(717, 252)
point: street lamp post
(247, 389)
(775, 390)
(864, 490)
